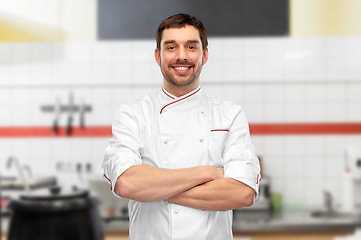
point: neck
(179, 91)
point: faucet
(19, 169)
(26, 167)
(328, 199)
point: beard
(176, 80)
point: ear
(205, 56)
(157, 56)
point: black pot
(72, 216)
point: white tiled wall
(274, 79)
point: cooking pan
(68, 216)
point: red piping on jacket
(220, 130)
(178, 100)
(111, 187)
(167, 94)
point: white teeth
(181, 68)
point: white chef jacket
(172, 132)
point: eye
(170, 47)
(192, 47)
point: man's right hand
(217, 172)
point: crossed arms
(201, 187)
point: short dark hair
(178, 21)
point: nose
(182, 54)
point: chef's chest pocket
(217, 142)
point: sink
(331, 214)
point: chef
(182, 157)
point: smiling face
(181, 59)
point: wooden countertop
(253, 236)
(261, 236)
(292, 236)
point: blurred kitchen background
(294, 66)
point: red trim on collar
(167, 94)
(179, 100)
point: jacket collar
(171, 99)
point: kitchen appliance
(60, 215)
(351, 180)
(111, 207)
(261, 209)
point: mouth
(182, 69)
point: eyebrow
(173, 41)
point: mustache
(182, 62)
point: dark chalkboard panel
(137, 19)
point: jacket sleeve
(240, 160)
(124, 147)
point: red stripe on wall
(304, 128)
(255, 129)
(95, 131)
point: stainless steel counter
(286, 221)
(33, 184)
(296, 221)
